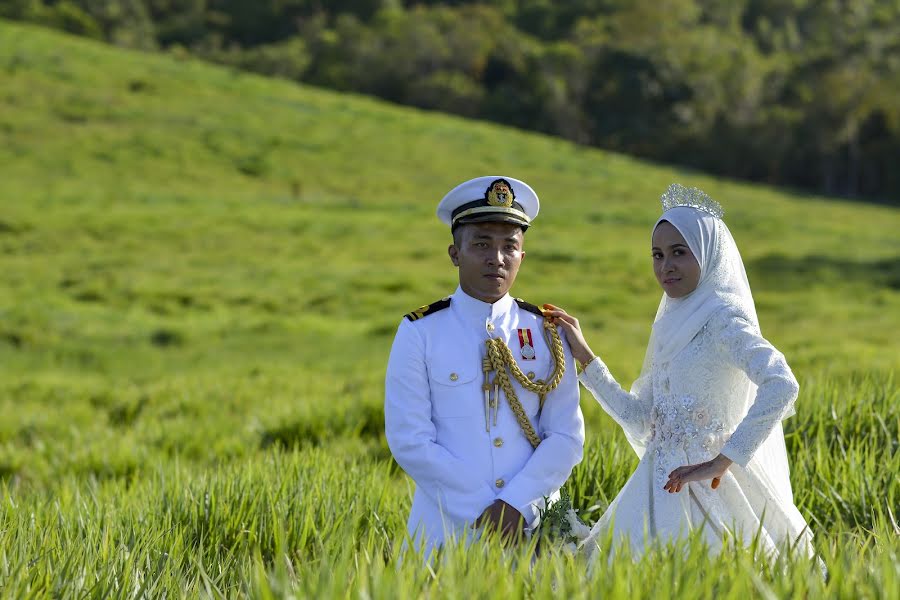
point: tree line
(803, 93)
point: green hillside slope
(197, 196)
(169, 219)
(199, 265)
(165, 219)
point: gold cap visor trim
(493, 209)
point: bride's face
(674, 265)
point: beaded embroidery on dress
(710, 383)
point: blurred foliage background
(804, 93)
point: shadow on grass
(365, 421)
(779, 272)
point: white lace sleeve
(630, 411)
(768, 369)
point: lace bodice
(695, 403)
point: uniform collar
(472, 308)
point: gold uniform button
(453, 376)
(530, 374)
(499, 483)
(498, 441)
(490, 326)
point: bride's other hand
(711, 469)
(572, 330)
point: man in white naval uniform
(448, 424)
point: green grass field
(202, 274)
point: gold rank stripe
(428, 309)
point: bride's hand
(711, 469)
(572, 330)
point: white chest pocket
(455, 387)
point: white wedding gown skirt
(644, 513)
(687, 411)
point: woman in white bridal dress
(705, 414)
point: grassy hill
(202, 268)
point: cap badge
(500, 193)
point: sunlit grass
(202, 275)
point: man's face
(488, 256)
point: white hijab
(723, 284)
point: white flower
(579, 530)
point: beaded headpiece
(678, 195)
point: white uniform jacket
(435, 417)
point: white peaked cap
(489, 198)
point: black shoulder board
(529, 307)
(428, 309)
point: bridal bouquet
(560, 526)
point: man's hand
(502, 517)
(711, 469)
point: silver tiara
(678, 195)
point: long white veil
(723, 286)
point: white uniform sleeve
(411, 434)
(767, 368)
(561, 428)
(630, 411)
